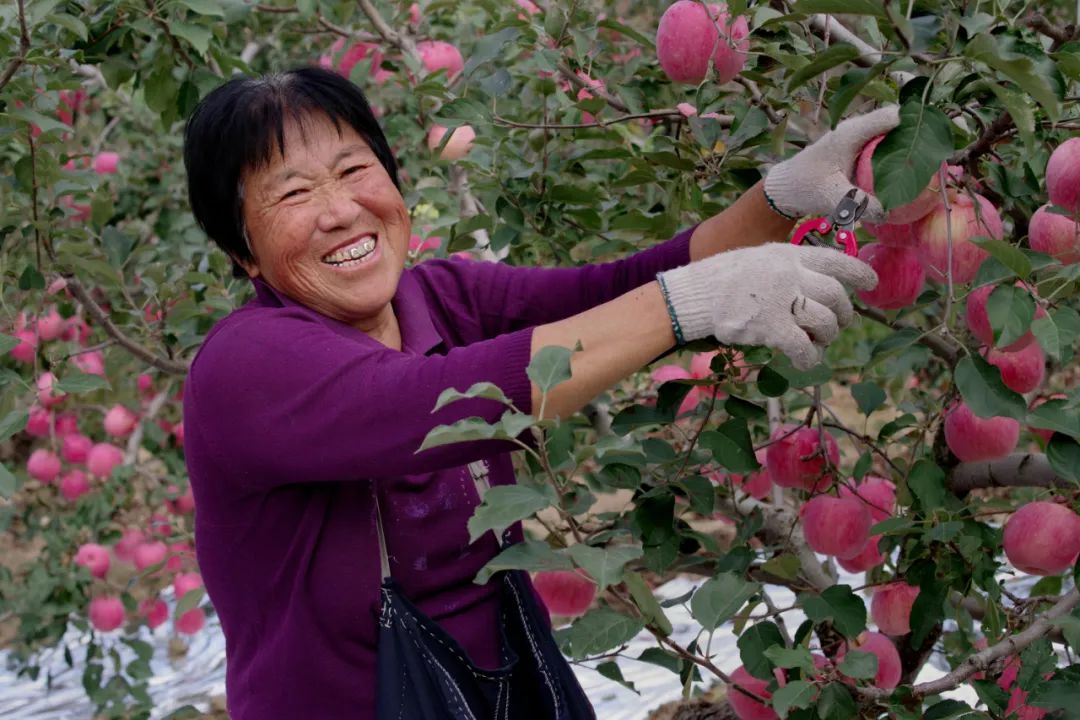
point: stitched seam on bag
(536, 652)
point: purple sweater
(291, 418)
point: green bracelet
(679, 339)
(775, 209)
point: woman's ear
(248, 266)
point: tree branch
(724, 120)
(942, 347)
(826, 24)
(24, 47)
(404, 43)
(1011, 645)
(1016, 470)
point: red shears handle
(823, 227)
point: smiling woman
(336, 555)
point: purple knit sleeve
(279, 398)
(508, 298)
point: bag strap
(477, 470)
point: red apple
(1055, 235)
(184, 583)
(744, 706)
(94, 558)
(1021, 371)
(438, 55)
(66, 423)
(106, 163)
(155, 611)
(878, 494)
(896, 235)
(457, 146)
(106, 613)
(74, 485)
(565, 592)
(43, 465)
(836, 526)
(120, 422)
(27, 347)
(869, 558)
(890, 607)
(75, 448)
(918, 208)
(102, 458)
(1063, 175)
(978, 320)
(125, 546)
(50, 326)
(149, 553)
(889, 666)
(40, 422)
(966, 223)
(1042, 538)
(796, 460)
(91, 363)
(46, 394)
(688, 37)
(756, 484)
(900, 276)
(972, 438)
(191, 622)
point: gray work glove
(789, 297)
(813, 180)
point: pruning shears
(816, 231)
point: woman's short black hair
(238, 126)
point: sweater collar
(418, 333)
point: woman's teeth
(357, 252)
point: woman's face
(327, 226)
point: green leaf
(1010, 310)
(46, 123)
(8, 482)
(839, 605)
(797, 657)
(719, 598)
(549, 367)
(868, 395)
(927, 611)
(927, 483)
(646, 602)
(785, 566)
(737, 407)
(771, 383)
(950, 709)
(851, 84)
(1063, 452)
(601, 630)
(80, 382)
(661, 658)
(1020, 110)
(31, 279)
(117, 246)
(1060, 692)
(840, 7)
(489, 391)
(15, 421)
(1007, 254)
(797, 694)
(464, 111)
(981, 387)
(1070, 629)
(490, 47)
(859, 665)
(71, 23)
(754, 646)
(531, 555)
(198, 36)
(8, 343)
(464, 430)
(825, 60)
(1048, 336)
(611, 671)
(911, 154)
(701, 493)
(190, 601)
(1054, 415)
(204, 7)
(731, 446)
(836, 703)
(605, 565)
(997, 52)
(1067, 58)
(504, 505)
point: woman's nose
(339, 208)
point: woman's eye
(353, 170)
(293, 193)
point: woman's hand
(790, 297)
(813, 181)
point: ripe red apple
(149, 553)
(102, 458)
(178, 554)
(154, 610)
(756, 484)
(972, 438)
(40, 421)
(46, 394)
(966, 223)
(836, 526)
(43, 465)
(1055, 235)
(50, 326)
(1042, 538)
(457, 146)
(890, 607)
(869, 558)
(183, 503)
(917, 209)
(106, 163)
(896, 235)
(688, 37)
(1063, 175)
(66, 423)
(191, 622)
(91, 363)
(178, 434)
(27, 347)
(790, 462)
(900, 276)
(75, 448)
(878, 494)
(124, 549)
(889, 666)
(106, 613)
(1021, 371)
(184, 583)
(565, 592)
(744, 706)
(978, 320)
(437, 55)
(120, 421)
(74, 485)
(94, 558)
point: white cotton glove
(788, 297)
(813, 181)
